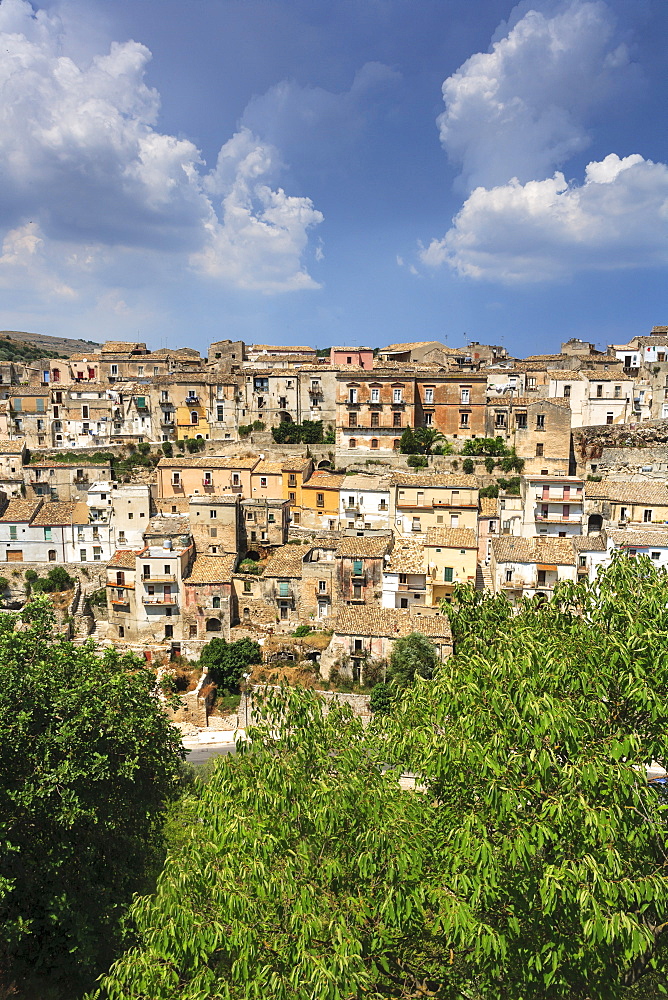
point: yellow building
(451, 557)
(320, 501)
(427, 500)
(295, 472)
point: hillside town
(262, 487)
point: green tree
(407, 443)
(468, 467)
(529, 862)
(381, 698)
(426, 438)
(228, 661)
(412, 656)
(489, 464)
(87, 761)
(485, 446)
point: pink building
(360, 357)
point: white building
(551, 505)
(365, 504)
(528, 567)
(404, 576)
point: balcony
(352, 404)
(352, 509)
(404, 587)
(207, 483)
(557, 518)
(192, 400)
(160, 599)
(323, 595)
(165, 578)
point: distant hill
(16, 345)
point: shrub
(489, 464)
(302, 630)
(485, 446)
(167, 449)
(467, 466)
(380, 702)
(245, 429)
(258, 425)
(417, 461)
(98, 599)
(4, 584)
(490, 491)
(144, 448)
(407, 444)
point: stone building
(529, 567)
(206, 475)
(538, 429)
(552, 505)
(264, 524)
(207, 599)
(319, 585)
(405, 576)
(360, 562)
(281, 582)
(63, 480)
(610, 504)
(320, 501)
(365, 504)
(451, 556)
(215, 523)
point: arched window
(374, 442)
(396, 444)
(352, 443)
(213, 625)
(246, 612)
(216, 602)
(194, 417)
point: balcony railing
(164, 578)
(167, 599)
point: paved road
(198, 755)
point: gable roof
(123, 559)
(631, 493)
(60, 512)
(285, 561)
(452, 538)
(511, 548)
(20, 510)
(435, 479)
(365, 546)
(207, 462)
(212, 569)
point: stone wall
(620, 447)
(358, 703)
(91, 576)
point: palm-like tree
(426, 438)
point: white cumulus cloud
(549, 229)
(515, 114)
(84, 161)
(521, 109)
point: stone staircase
(82, 621)
(483, 579)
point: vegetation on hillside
(530, 860)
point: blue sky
(334, 171)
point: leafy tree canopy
(485, 446)
(87, 760)
(529, 862)
(227, 661)
(412, 656)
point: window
(352, 420)
(248, 587)
(271, 519)
(397, 395)
(47, 535)
(220, 413)
(82, 555)
(213, 532)
(618, 392)
(320, 499)
(375, 420)
(375, 395)
(531, 382)
(292, 497)
(500, 419)
(322, 586)
(121, 537)
(521, 421)
(121, 631)
(464, 395)
(374, 443)
(169, 631)
(357, 591)
(130, 517)
(416, 525)
(609, 417)
(454, 520)
(429, 419)
(194, 418)
(428, 395)
(357, 567)
(567, 391)
(448, 574)
(541, 577)
(236, 481)
(114, 369)
(12, 532)
(539, 450)
(215, 602)
(647, 516)
(176, 478)
(352, 395)
(396, 420)
(213, 514)
(599, 391)
(352, 443)
(283, 588)
(463, 419)
(17, 404)
(292, 479)
(509, 575)
(540, 421)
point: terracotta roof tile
(366, 546)
(631, 493)
(212, 569)
(62, 512)
(324, 481)
(406, 557)
(590, 543)
(511, 548)
(285, 561)
(20, 510)
(207, 462)
(639, 539)
(434, 479)
(123, 559)
(489, 507)
(392, 623)
(11, 447)
(452, 538)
